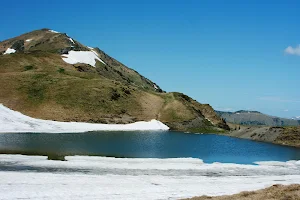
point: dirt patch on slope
(275, 192)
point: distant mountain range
(296, 118)
(245, 117)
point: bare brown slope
(275, 192)
(279, 135)
(42, 85)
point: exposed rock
(18, 46)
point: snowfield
(87, 57)
(53, 31)
(9, 51)
(84, 177)
(12, 121)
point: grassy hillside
(256, 118)
(37, 82)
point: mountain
(49, 75)
(245, 117)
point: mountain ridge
(244, 117)
(52, 76)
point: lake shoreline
(285, 136)
(164, 144)
(233, 134)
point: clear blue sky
(229, 54)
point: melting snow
(9, 51)
(35, 177)
(87, 57)
(12, 121)
(28, 40)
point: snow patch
(72, 40)
(9, 51)
(13, 121)
(87, 57)
(28, 40)
(53, 31)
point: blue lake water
(210, 148)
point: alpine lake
(136, 144)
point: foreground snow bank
(12, 121)
(87, 57)
(84, 177)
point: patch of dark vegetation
(126, 91)
(123, 111)
(254, 134)
(61, 70)
(160, 90)
(18, 45)
(35, 87)
(38, 76)
(28, 67)
(36, 92)
(115, 95)
(84, 68)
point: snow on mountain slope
(9, 51)
(53, 31)
(296, 118)
(12, 121)
(86, 57)
(72, 40)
